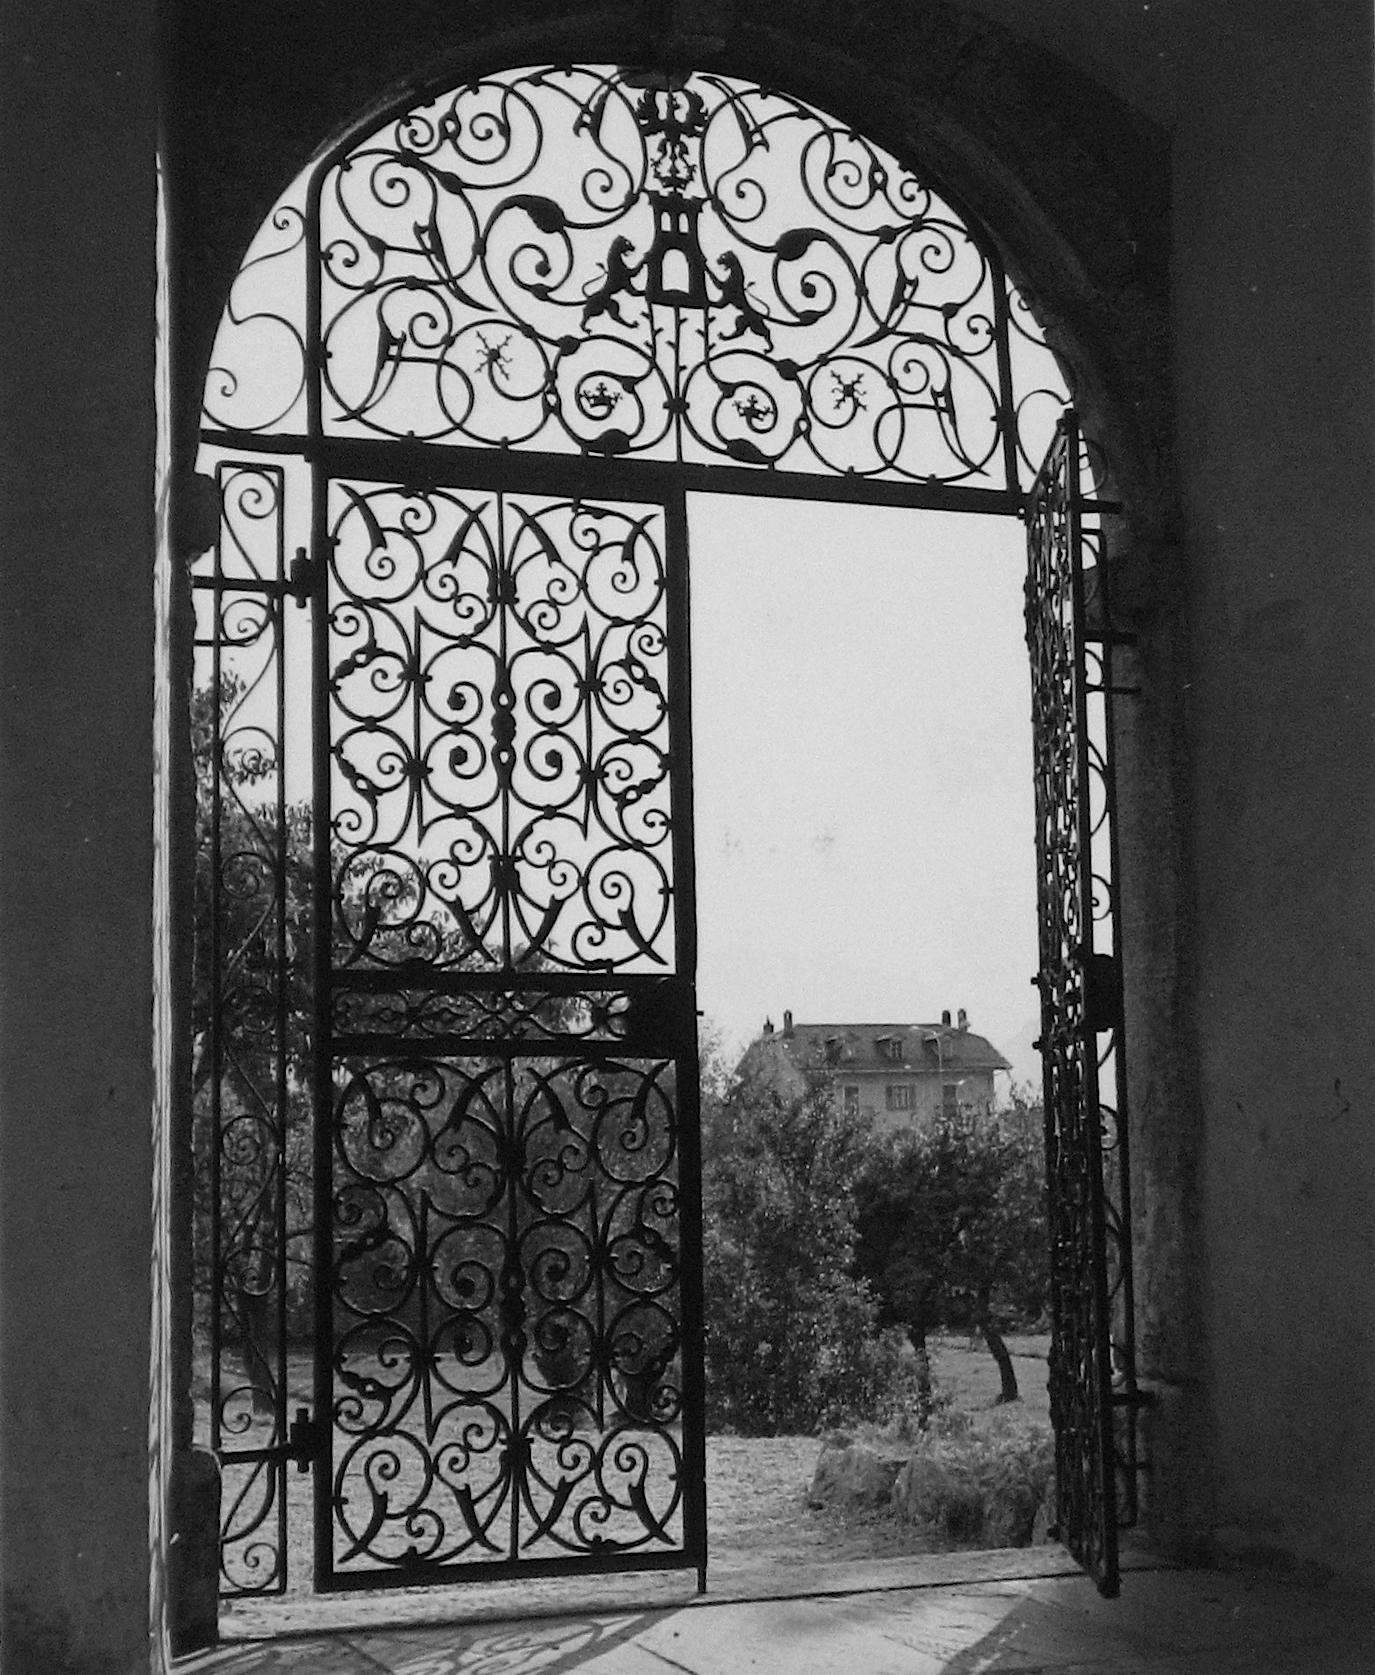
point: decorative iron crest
(692, 268)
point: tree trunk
(1007, 1373)
(925, 1390)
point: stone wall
(78, 135)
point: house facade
(898, 1075)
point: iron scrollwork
(682, 268)
(499, 731)
(491, 1005)
(246, 1020)
(1092, 1359)
(507, 1302)
(507, 1313)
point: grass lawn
(965, 1371)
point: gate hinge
(305, 1440)
(302, 577)
(1102, 992)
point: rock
(977, 1491)
(853, 1475)
(1010, 1515)
(932, 1488)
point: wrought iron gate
(445, 1076)
(508, 1332)
(1092, 1356)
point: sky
(862, 768)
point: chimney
(964, 1019)
(787, 1023)
(945, 1019)
(768, 1026)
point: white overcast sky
(862, 759)
(862, 767)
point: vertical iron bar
(282, 1024)
(1090, 1138)
(216, 1020)
(1128, 1509)
(1006, 394)
(502, 579)
(688, 1073)
(513, 1344)
(321, 914)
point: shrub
(977, 1487)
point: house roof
(925, 1048)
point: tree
(791, 1339)
(250, 1032)
(952, 1230)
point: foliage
(951, 1228)
(792, 1342)
(251, 1079)
(979, 1487)
(251, 926)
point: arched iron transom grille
(583, 260)
(448, 1241)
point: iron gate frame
(592, 475)
(660, 1021)
(1071, 641)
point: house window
(950, 1099)
(900, 1096)
(850, 1098)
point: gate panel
(1092, 1357)
(246, 1020)
(510, 1344)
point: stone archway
(1061, 216)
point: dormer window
(832, 1045)
(893, 1048)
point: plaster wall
(1273, 312)
(77, 440)
(1268, 107)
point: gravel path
(757, 1510)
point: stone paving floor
(894, 1617)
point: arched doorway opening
(469, 372)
